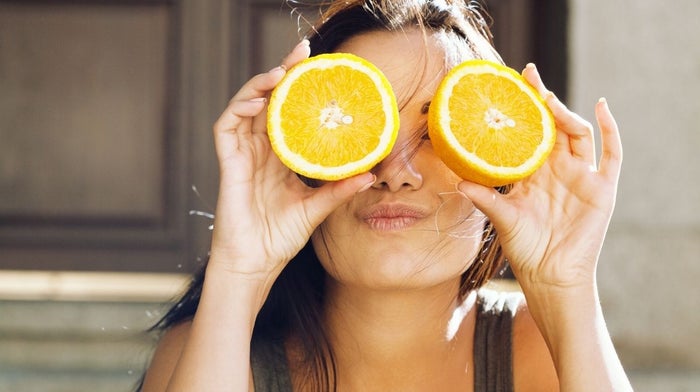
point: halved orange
(489, 125)
(332, 116)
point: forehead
(413, 62)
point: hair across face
(411, 229)
(450, 32)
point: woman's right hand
(265, 214)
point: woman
(373, 283)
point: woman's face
(411, 229)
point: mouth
(392, 217)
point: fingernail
(368, 185)
(278, 68)
(304, 42)
(259, 99)
(603, 100)
(459, 191)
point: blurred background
(107, 170)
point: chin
(393, 271)
(406, 260)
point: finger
(611, 145)
(235, 114)
(331, 195)
(260, 85)
(579, 132)
(532, 75)
(299, 53)
(249, 100)
(489, 201)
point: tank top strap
(268, 362)
(493, 364)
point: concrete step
(40, 380)
(75, 354)
(55, 346)
(78, 318)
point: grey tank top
(493, 366)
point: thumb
(489, 201)
(333, 194)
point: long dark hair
(294, 305)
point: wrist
(572, 324)
(564, 310)
(244, 287)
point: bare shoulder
(165, 357)
(533, 367)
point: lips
(392, 217)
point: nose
(398, 171)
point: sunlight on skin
(459, 314)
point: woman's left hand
(552, 224)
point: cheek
(332, 237)
(455, 215)
(319, 244)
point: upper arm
(533, 367)
(165, 358)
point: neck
(399, 336)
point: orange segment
(332, 116)
(489, 125)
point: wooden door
(106, 108)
